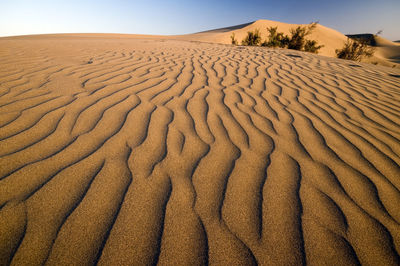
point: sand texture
(129, 151)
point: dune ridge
(134, 151)
(330, 38)
(387, 52)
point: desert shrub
(275, 38)
(252, 38)
(233, 39)
(355, 50)
(298, 41)
(297, 38)
(312, 47)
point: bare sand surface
(118, 150)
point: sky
(168, 17)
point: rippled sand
(121, 151)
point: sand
(330, 38)
(126, 150)
(387, 53)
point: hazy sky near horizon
(19, 17)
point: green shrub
(355, 50)
(252, 38)
(275, 38)
(233, 39)
(297, 40)
(312, 47)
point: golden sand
(122, 150)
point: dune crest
(330, 38)
(119, 151)
(387, 54)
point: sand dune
(330, 38)
(387, 51)
(128, 151)
(387, 54)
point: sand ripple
(124, 151)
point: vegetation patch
(233, 39)
(253, 38)
(355, 50)
(296, 40)
(275, 38)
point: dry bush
(275, 38)
(355, 50)
(312, 47)
(296, 41)
(252, 38)
(233, 39)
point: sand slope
(387, 53)
(330, 38)
(119, 151)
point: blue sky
(18, 17)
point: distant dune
(144, 150)
(386, 51)
(330, 38)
